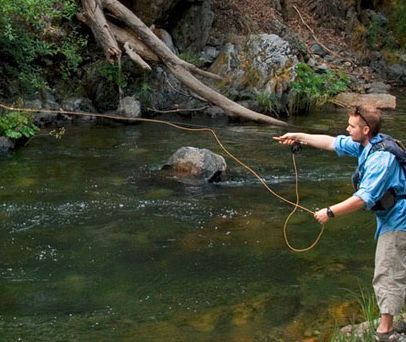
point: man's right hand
(324, 142)
(289, 138)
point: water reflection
(97, 243)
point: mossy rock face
(262, 62)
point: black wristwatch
(330, 212)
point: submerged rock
(196, 163)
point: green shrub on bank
(268, 102)
(15, 125)
(366, 301)
(144, 93)
(379, 36)
(36, 35)
(311, 88)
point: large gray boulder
(193, 162)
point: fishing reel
(296, 148)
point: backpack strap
(397, 149)
(393, 146)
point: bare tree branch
(135, 57)
(142, 33)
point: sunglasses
(358, 112)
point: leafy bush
(113, 73)
(35, 34)
(15, 125)
(313, 88)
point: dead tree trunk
(142, 44)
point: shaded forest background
(45, 49)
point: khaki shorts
(390, 272)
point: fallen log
(106, 34)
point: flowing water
(98, 244)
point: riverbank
(228, 37)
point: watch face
(330, 213)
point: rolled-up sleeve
(374, 183)
(344, 146)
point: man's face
(357, 129)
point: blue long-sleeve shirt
(379, 171)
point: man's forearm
(348, 206)
(324, 142)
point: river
(98, 244)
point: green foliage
(388, 35)
(399, 22)
(36, 33)
(369, 308)
(313, 88)
(15, 125)
(268, 102)
(369, 313)
(71, 49)
(144, 93)
(378, 35)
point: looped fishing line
(285, 226)
(209, 130)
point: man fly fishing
(380, 186)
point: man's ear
(366, 130)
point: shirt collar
(365, 150)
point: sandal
(400, 327)
(391, 336)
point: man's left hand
(321, 216)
